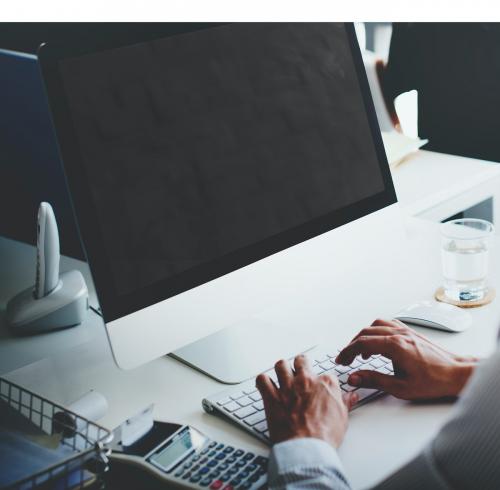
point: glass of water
(465, 258)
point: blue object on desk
(30, 166)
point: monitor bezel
(115, 306)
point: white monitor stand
(219, 327)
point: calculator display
(177, 448)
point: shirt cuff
(306, 452)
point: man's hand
(422, 370)
(304, 405)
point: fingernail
(354, 397)
(354, 380)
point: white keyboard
(242, 404)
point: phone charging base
(65, 306)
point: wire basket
(87, 461)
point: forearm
(303, 464)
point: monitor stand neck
(242, 351)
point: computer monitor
(205, 167)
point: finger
(372, 379)
(302, 366)
(285, 375)
(368, 345)
(267, 389)
(373, 331)
(350, 400)
(380, 322)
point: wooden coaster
(440, 296)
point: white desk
(382, 436)
(436, 186)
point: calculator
(180, 456)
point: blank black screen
(199, 145)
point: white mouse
(433, 314)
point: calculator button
(228, 449)
(220, 456)
(187, 475)
(204, 471)
(260, 460)
(252, 467)
(228, 487)
(179, 473)
(226, 477)
(239, 452)
(216, 485)
(244, 474)
(196, 457)
(254, 477)
(205, 482)
(187, 465)
(240, 463)
(212, 453)
(236, 482)
(195, 478)
(205, 451)
(223, 466)
(219, 447)
(212, 444)
(248, 456)
(212, 463)
(214, 474)
(232, 459)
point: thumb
(372, 379)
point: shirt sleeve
(466, 451)
(305, 464)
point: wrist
(461, 372)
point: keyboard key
(377, 363)
(231, 407)
(244, 412)
(262, 427)
(259, 405)
(266, 434)
(355, 364)
(347, 388)
(319, 358)
(237, 395)
(256, 397)
(255, 418)
(245, 401)
(223, 401)
(249, 391)
(327, 365)
(342, 369)
(384, 370)
(318, 370)
(343, 378)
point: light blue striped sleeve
(305, 464)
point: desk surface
(401, 428)
(66, 364)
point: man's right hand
(422, 370)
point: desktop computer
(217, 174)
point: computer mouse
(433, 314)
